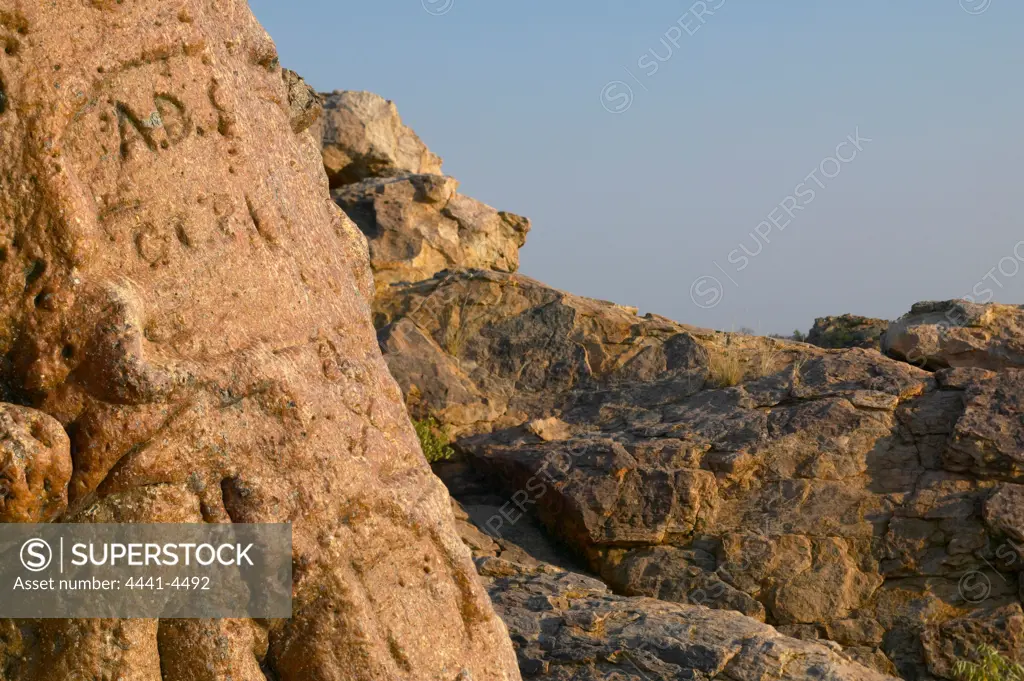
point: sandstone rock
(838, 493)
(504, 349)
(550, 429)
(678, 576)
(419, 225)
(989, 438)
(569, 627)
(363, 136)
(959, 639)
(847, 331)
(181, 295)
(35, 466)
(956, 333)
(1004, 512)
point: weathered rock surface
(363, 137)
(840, 495)
(835, 494)
(304, 104)
(419, 225)
(957, 333)
(847, 331)
(569, 627)
(178, 292)
(35, 466)
(485, 350)
(841, 488)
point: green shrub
(991, 666)
(434, 440)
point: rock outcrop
(363, 136)
(183, 300)
(568, 625)
(484, 350)
(847, 331)
(957, 333)
(419, 225)
(838, 495)
(571, 627)
(842, 497)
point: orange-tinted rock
(35, 466)
(180, 293)
(363, 136)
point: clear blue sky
(633, 207)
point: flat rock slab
(568, 627)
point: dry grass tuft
(725, 370)
(767, 360)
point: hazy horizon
(665, 151)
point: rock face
(567, 625)
(571, 627)
(837, 495)
(388, 182)
(35, 466)
(485, 350)
(419, 225)
(957, 333)
(180, 296)
(305, 106)
(363, 136)
(847, 331)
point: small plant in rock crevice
(991, 666)
(435, 440)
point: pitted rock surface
(179, 293)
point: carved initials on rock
(166, 126)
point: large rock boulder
(363, 137)
(957, 333)
(847, 331)
(180, 295)
(419, 225)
